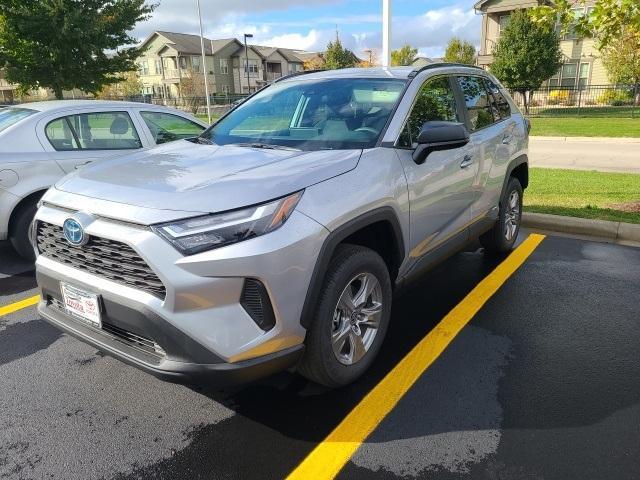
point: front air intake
(255, 300)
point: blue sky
(310, 24)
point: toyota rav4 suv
(277, 237)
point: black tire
(496, 240)
(19, 230)
(319, 363)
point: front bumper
(220, 372)
(200, 326)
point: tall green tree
(622, 61)
(607, 21)
(337, 56)
(404, 56)
(460, 51)
(526, 54)
(65, 44)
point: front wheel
(502, 237)
(351, 318)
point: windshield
(11, 116)
(347, 113)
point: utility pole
(246, 56)
(204, 65)
(370, 52)
(386, 33)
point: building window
(196, 64)
(224, 66)
(569, 74)
(583, 80)
(253, 68)
(158, 65)
(226, 89)
(577, 13)
(502, 23)
(143, 67)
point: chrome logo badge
(73, 232)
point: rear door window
(94, 131)
(501, 105)
(480, 110)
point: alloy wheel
(356, 318)
(512, 216)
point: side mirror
(439, 135)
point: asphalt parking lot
(542, 383)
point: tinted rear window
(11, 116)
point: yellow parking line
(14, 307)
(327, 459)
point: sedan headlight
(197, 234)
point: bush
(559, 97)
(615, 98)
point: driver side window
(435, 101)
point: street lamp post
(246, 59)
(204, 65)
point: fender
(516, 162)
(385, 214)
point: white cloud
(429, 32)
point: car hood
(200, 178)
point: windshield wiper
(267, 146)
(203, 141)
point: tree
(337, 56)
(129, 86)
(63, 44)
(526, 54)
(314, 63)
(460, 51)
(404, 56)
(607, 21)
(622, 61)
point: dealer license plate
(82, 304)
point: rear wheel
(19, 230)
(503, 235)
(351, 318)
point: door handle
(507, 139)
(80, 165)
(467, 161)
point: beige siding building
(582, 64)
(171, 65)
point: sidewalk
(586, 153)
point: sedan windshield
(11, 116)
(348, 113)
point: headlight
(194, 235)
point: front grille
(112, 260)
(129, 338)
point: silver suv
(277, 237)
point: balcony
(271, 76)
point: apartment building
(171, 65)
(582, 64)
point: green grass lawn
(585, 127)
(204, 118)
(583, 194)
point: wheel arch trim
(339, 234)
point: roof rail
(297, 74)
(414, 73)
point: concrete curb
(542, 138)
(612, 231)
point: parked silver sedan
(41, 142)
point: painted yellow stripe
(14, 307)
(328, 458)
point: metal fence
(585, 101)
